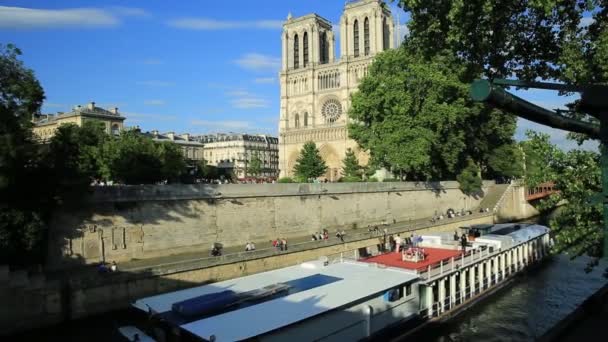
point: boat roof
(355, 281)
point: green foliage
(541, 158)
(309, 164)
(391, 180)
(372, 180)
(255, 165)
(415, 117)
(508, 161)
(173, 164)
(286, 180)
(26, 198)
(469, 180)
(132, 159)
(351, 168)
(206, 171)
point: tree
(542, 158)
(507, 161)
(415, 117)
(132, 159)
(469, 180)
(24, 200)
(255, 165)
(173, 164)
(309, 164)
(351, 170)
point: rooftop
(343, 288)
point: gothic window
(305, 47)
(305, 119)
(331, 110)
(115, 129)
(356, 37)
(323, 51)
(297, 120)
(296, 52)
(385, 35)
(366, 36)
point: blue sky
(183, 66)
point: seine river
(527, 309)
(521, 312)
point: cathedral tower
(316, 88)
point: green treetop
(351, 170)
(255, 165)
(469, 180)
(309, 164)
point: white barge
(347, 300)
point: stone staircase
(493, 196)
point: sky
(191, 66)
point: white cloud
(213, 24)
(154, 102)
(155, 83)
(145, 117)
(264, 80)
(259, 62)
(244, 100)
(130, 11)
(31, 18)
(249, 102)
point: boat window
(408, 290)
(393, 295)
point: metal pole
(604, 168)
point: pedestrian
(114, 267)
(283, 244)
(463, 243)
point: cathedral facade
(316, 86)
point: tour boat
(348, 299)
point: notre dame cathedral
(316, 87)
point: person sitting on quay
(113, 267)
(283, 244)
(325, 234)
(249, 247)
(314, 237)
(277, 243)
(319, 236)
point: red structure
(541, 191)
(433, 256)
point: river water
(521, 312)
(526, 310)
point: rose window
(331, 110)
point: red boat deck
(433, 256)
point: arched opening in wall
(385, 34)
(305, 119)
(115, 130)
(366, 36)
(297, 120)
(296, 52)
(323, 48)
(356, 38)
(305, 47)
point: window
(305, 46)
(408, 289)
(385, 35)
(115, 129)
(323, 52)
(356, 37)
(305, 119)
(296, 52)
(366, 36)
(297, 120)
(393, 295)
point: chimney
(91, 105)
(114, 110)
(171, 135)
(185, 136)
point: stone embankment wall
(33, 300)
(140, 222)
(513, 205)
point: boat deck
(433, 256)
